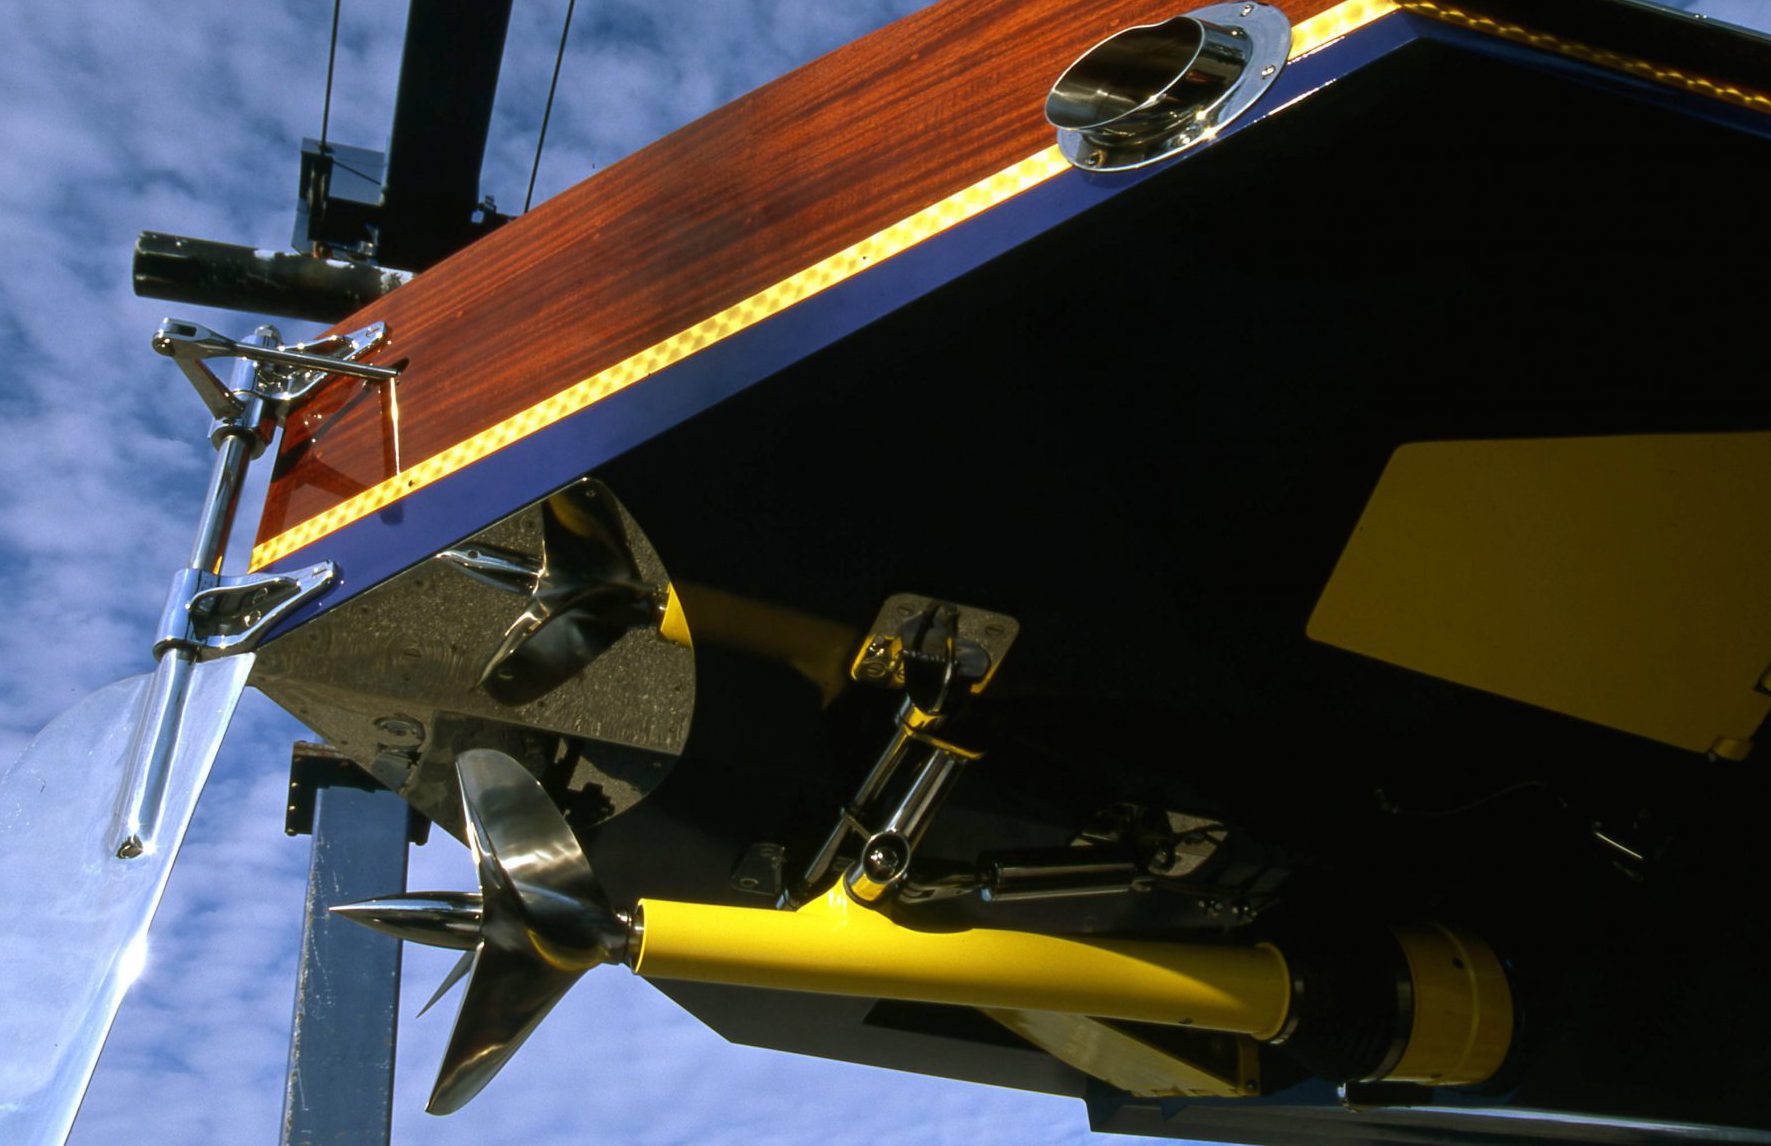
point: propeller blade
(508, 994)
(462, 966)
(536, 883)
(543, 922)
(538, 923)
(81, 911)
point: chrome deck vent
(1153, 91)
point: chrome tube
(884, 768)
(885, 857)
(141, 808)
(149, 760)
(286, 283)
(914, 813)
(225, 480)
(94, 812)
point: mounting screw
(876, 660)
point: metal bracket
(208, 615)
(288, 373)
(939, 654)
(217, 616)
(759, 870)
(980, 640)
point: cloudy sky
(123, 115)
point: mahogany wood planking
(700, 220)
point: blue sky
(123, 115)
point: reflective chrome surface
(1153, 91)
(93, 814)
(586, 591)
(147, 778)
(64, 975)
(539, 922)
(297, 369)
(535, 881)
(233, 614)
(411, 654)
(886, 855)
(512, 572)
(305, 365)
(437, 918)
(147, 765)
(938, 653)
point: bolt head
(883, 862)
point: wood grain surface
(702, 219)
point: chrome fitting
(1153, 91)
(210, 615)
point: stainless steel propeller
(583, 593)
(538, 923)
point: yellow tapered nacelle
(833, 945)
(1458, 1033)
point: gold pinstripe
(1644, 69)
